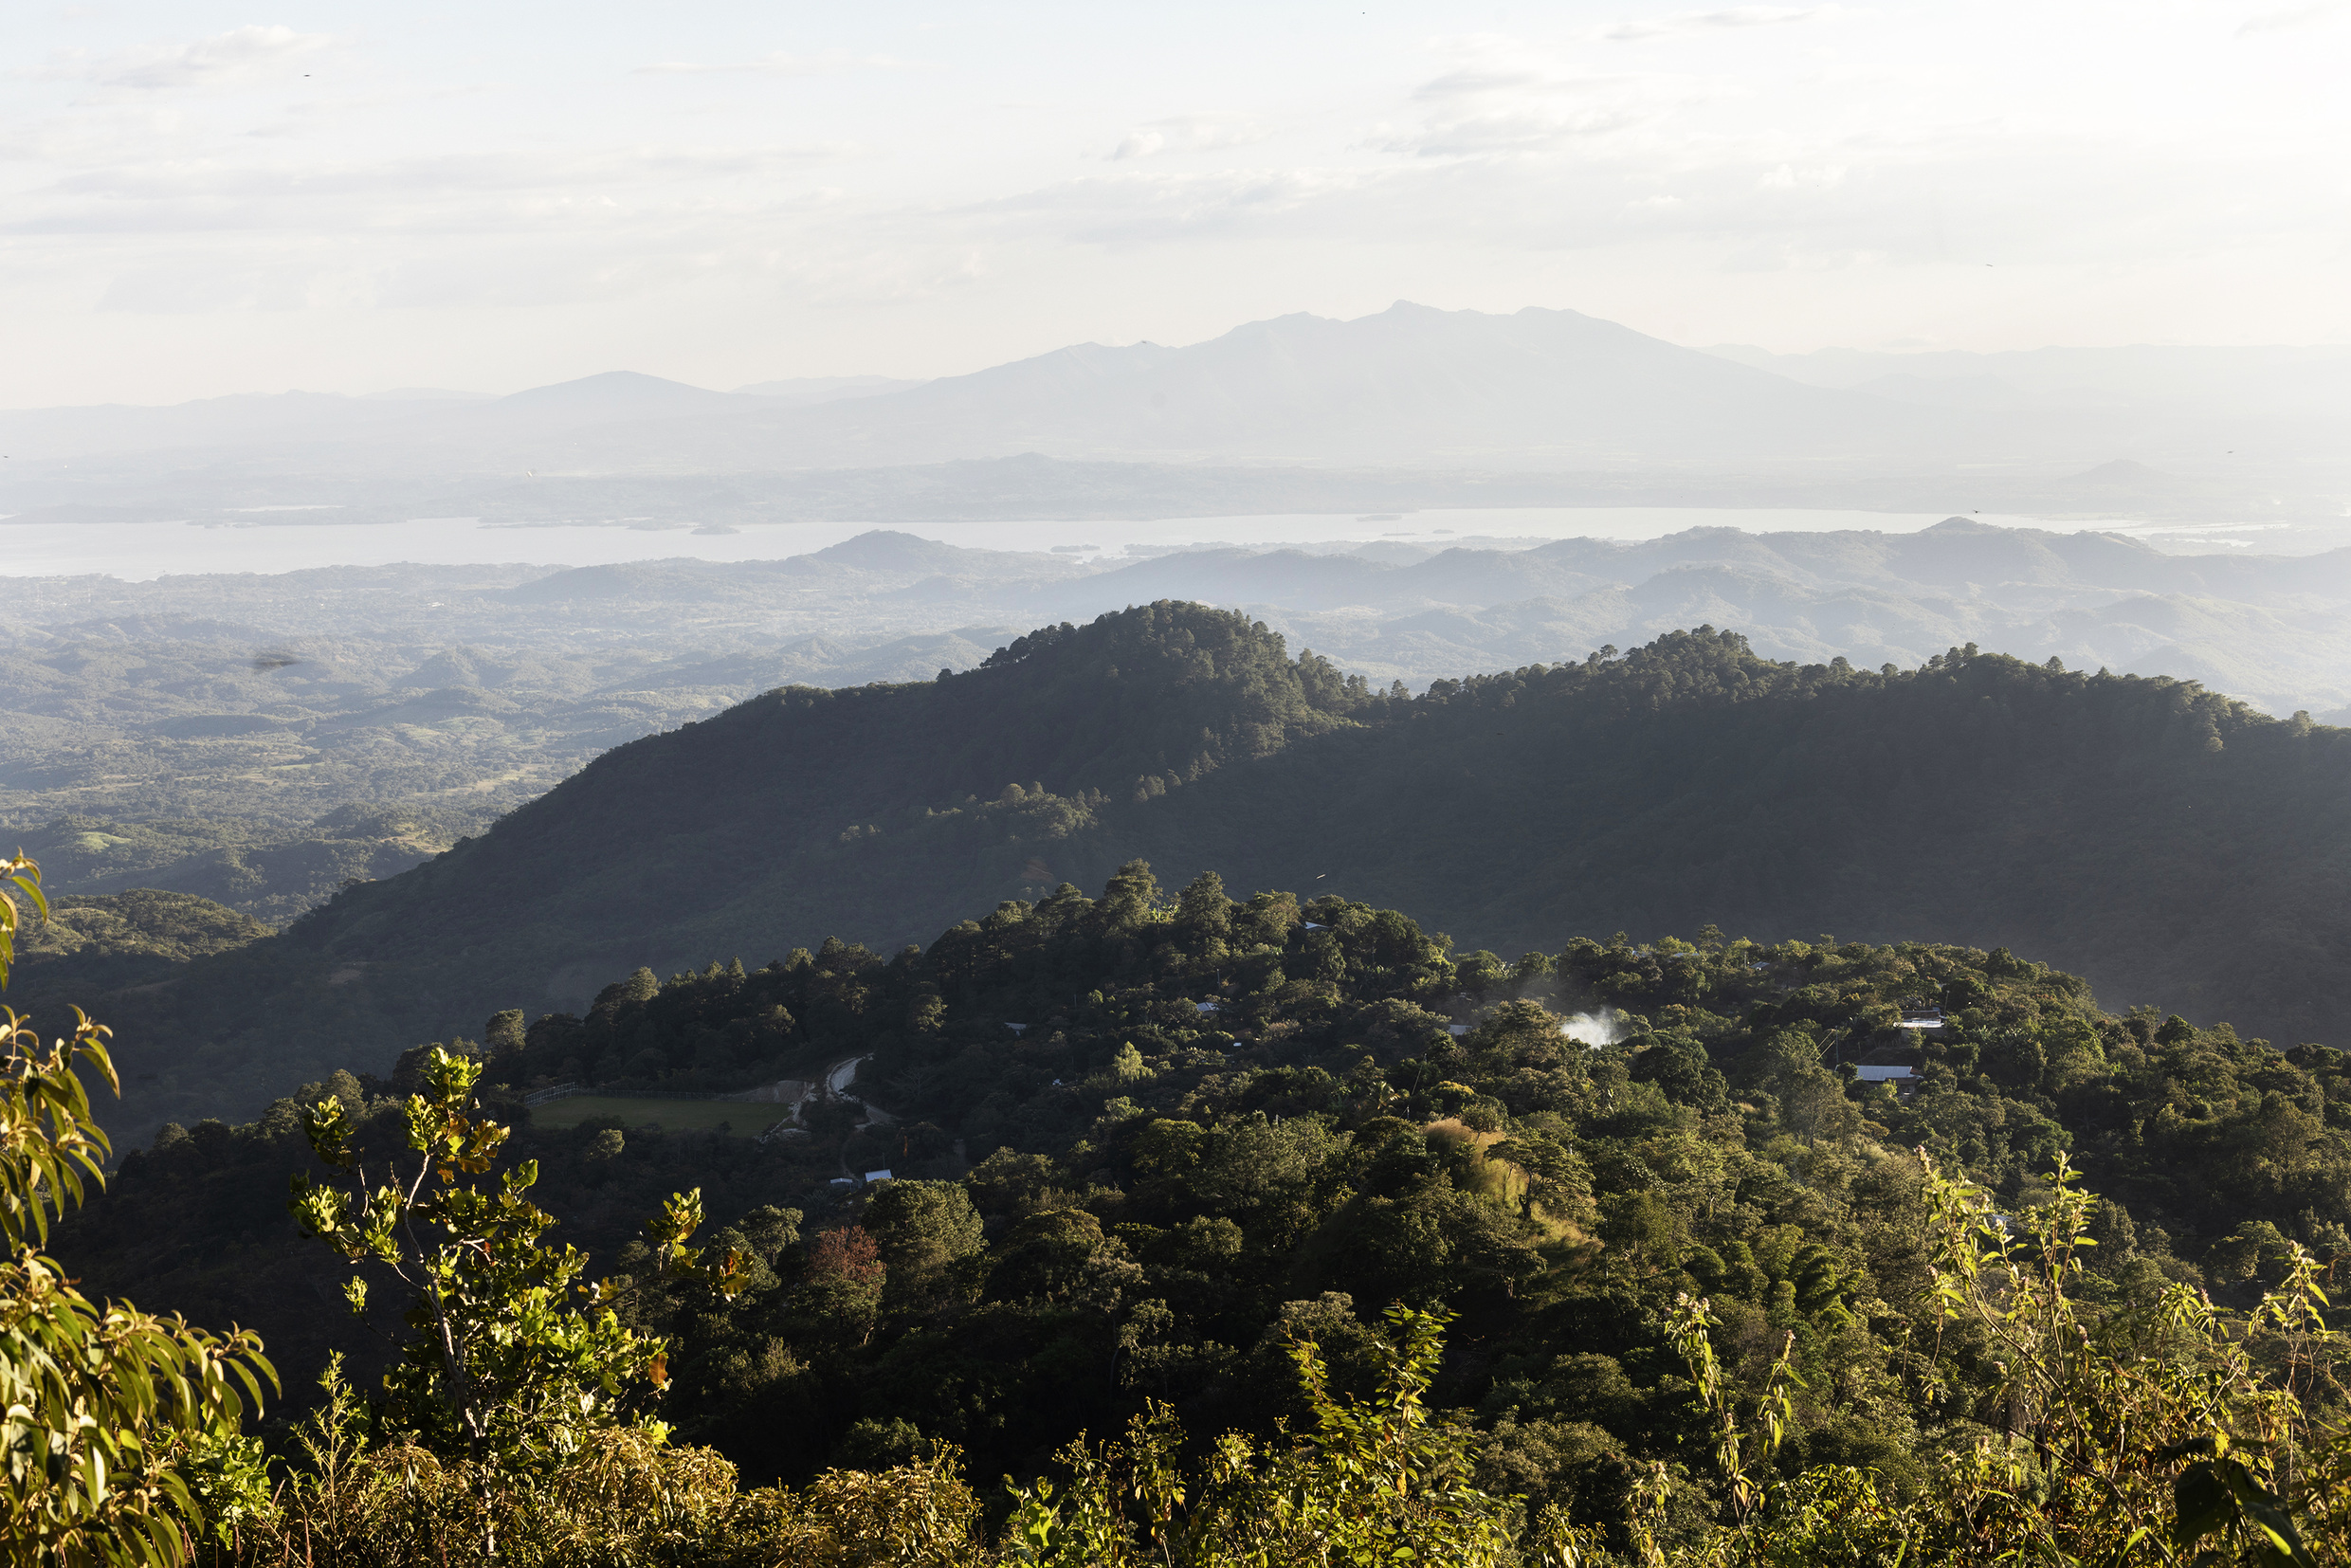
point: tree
(1204, 913)
(1129, 900)
(2163, 1432)
(504, 1367)
(110, 1412)
(1813, 1103)
(922, 1228)
(840, 1293)
(19, 878)
(1376, 1481)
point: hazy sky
(202, 198)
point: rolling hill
(2174, 846)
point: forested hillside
(95, 943)
(2170, 845)
(1140, 1141)
(269, 874)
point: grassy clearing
(702, 1116)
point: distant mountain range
(473, 688)
(828, 388)
(1408, 388)
(2246, 385)
(1541, 387)
(2275, 631)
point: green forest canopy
(1227, 1123)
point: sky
(199, 199)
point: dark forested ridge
(2172, 847)
(1223, 1122)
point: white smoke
(1604, 1028)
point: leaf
(2201, 1504)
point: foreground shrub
(117, 1423)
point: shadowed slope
(2172, 846)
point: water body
(278, 543)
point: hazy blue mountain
(448, 430)
(429, 395)
(1409, 384)
(1409, 407)
(212, 424)
(1957, 391)
(615, 395)
(828, 389)
(2293, 385)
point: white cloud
(1516, 100)
(240, 57)
(782, 63)
(1711, 21)
(1202, 133)
(1787, 176)
(2290, 17)
(168, 291)
(248, 195)
(1142, 206)
(1773, 170)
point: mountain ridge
(1410, 386)
(1979, 799)
(1535, 386)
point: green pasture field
(701, 1116)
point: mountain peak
(621, 393)
(885, 549)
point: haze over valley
(463, 691)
